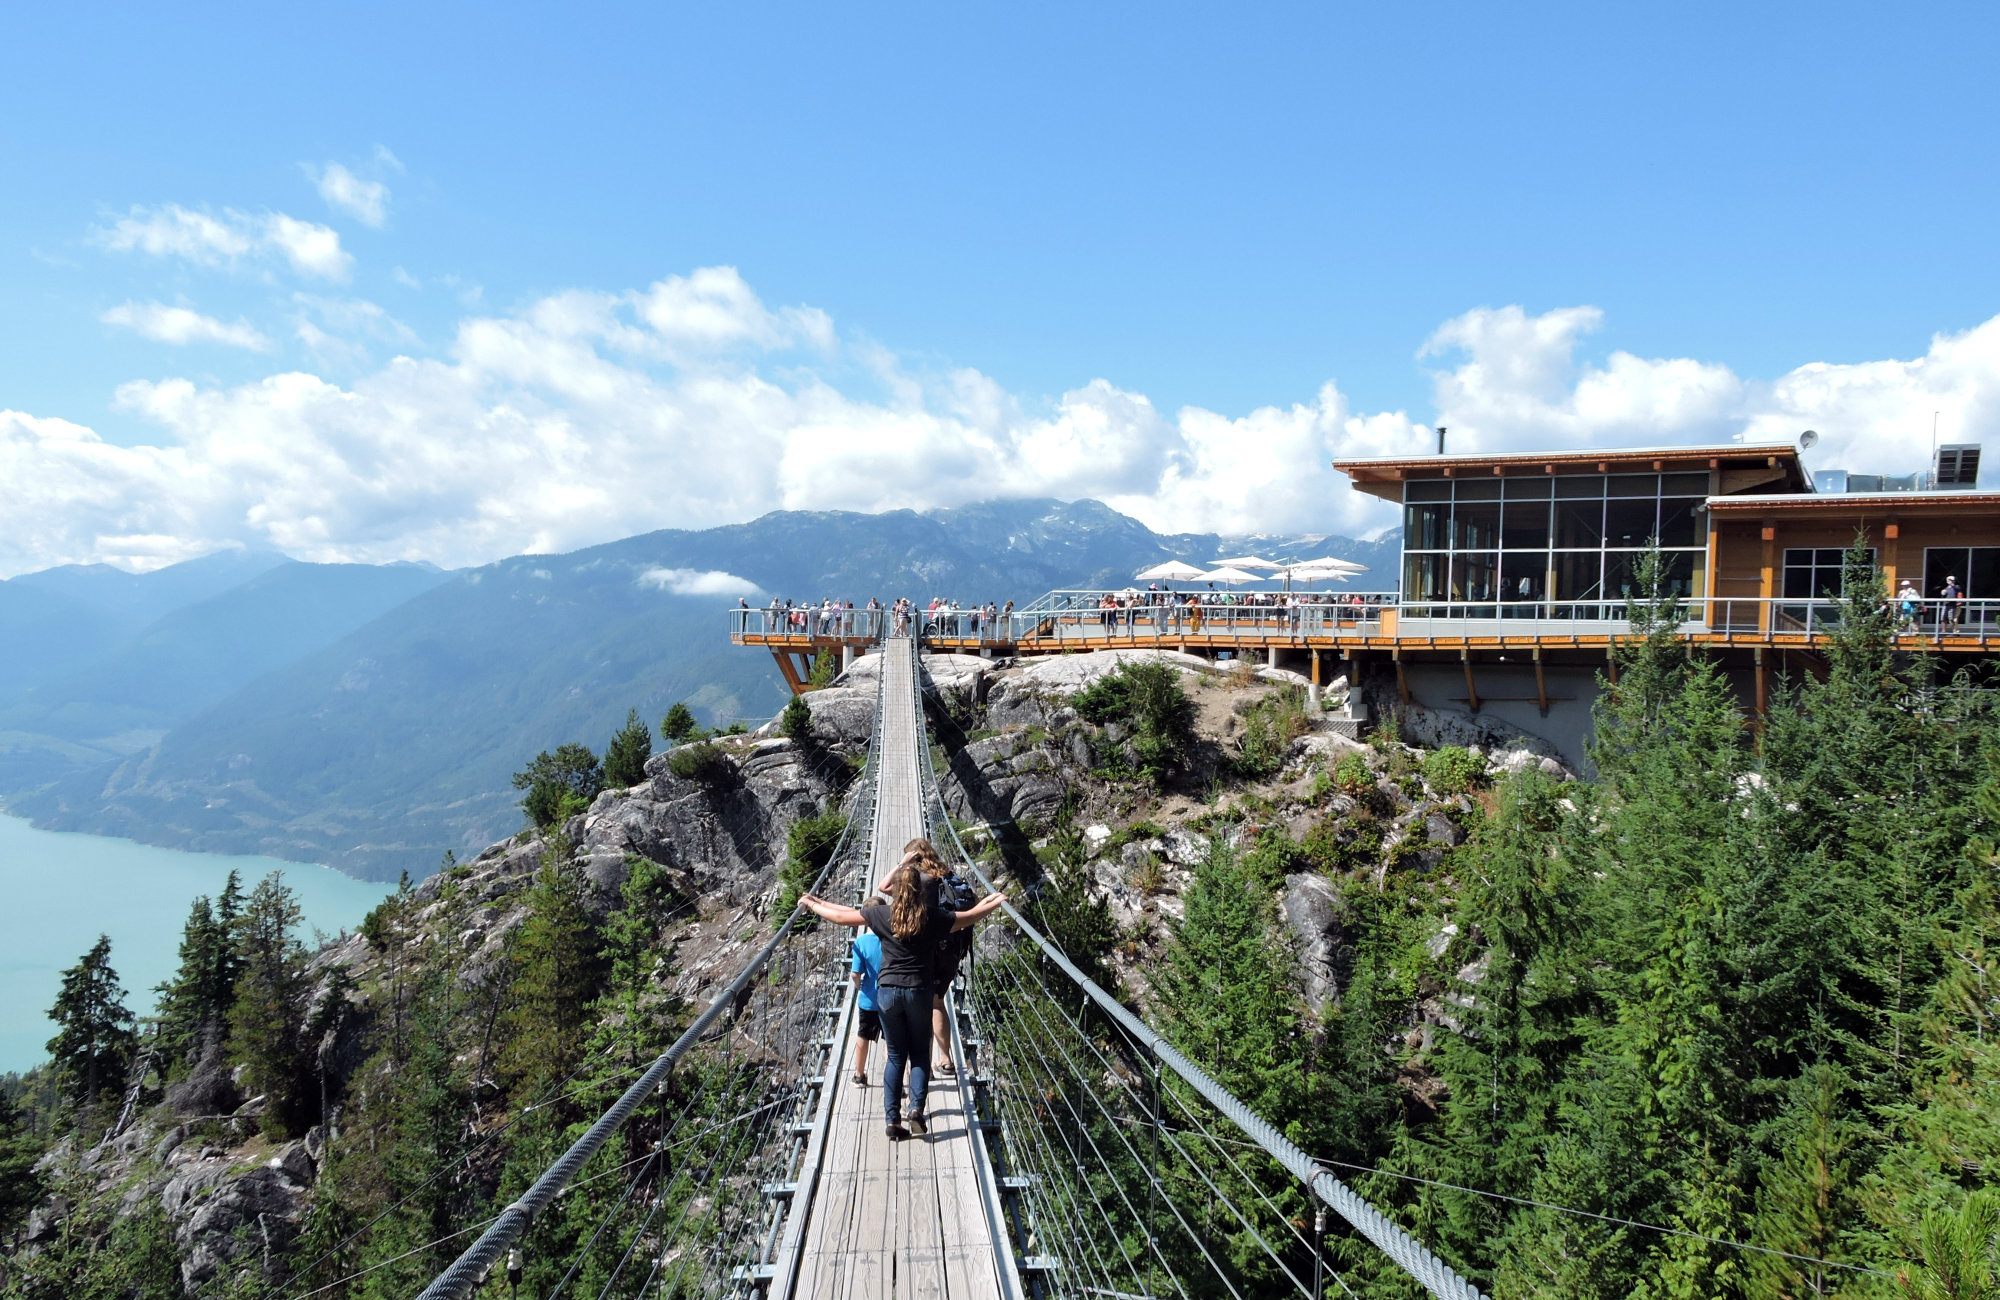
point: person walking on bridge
(912, 930)
(864, 968)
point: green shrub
(1270, 857)
(1336, 847)
(1147, 696)
(701, 761)
(1453, 769)
(1269, 728)
(796, 721)
(1352, 773)
(809, 844)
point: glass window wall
(1561, 547)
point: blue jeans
(906, 1025)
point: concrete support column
(1271, 656)
(846, 657)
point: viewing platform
(1071, 621)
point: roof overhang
(1384, 476)
(1869, 505)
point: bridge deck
(895, 1219)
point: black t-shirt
(908, 965)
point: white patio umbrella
(1228, 575)
(1248, 562)
(1171, 571)
(1331, 562)
(1310, 573)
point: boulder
(1321, 926)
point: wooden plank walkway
(895, 1220)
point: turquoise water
(59, 891)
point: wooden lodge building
(1516, 569)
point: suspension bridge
(1075, 1152)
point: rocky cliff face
(1024, 768)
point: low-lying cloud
(699, 582)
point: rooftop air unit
(1957, 466)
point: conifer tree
(556, 970)
(20, 1185)
(559, 784)
(94, 1039)
(267, 1020)
(1505, 1067)
(194, 1004)
(1225, 993)
(680, 725)
(625, 757)
(423, 1127)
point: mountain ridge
(384, 746)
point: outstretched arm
(973, 915)
(833, 912)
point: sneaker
(917, 1125)
(897, 1132)
(861, 1078)
(947, 1067)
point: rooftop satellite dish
(1807, 440)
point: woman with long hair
(912, 928)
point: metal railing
(1074, 618)
(810, 621)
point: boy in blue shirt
(863, 965)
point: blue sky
(1073, 249)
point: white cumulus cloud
(587, 415)
(699, 582)
(182, 325)
(229, 238)
(367, 201)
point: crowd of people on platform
(1165, 610)
(914, 933)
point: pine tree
(424, 1124)
(20, 1185)
(267, 1020)
(557, 969)
(194, 1004)
(1504, 1067)
(679, 725)
(1805, 1197)
(625, 757)
(559, 784)
(94, 1039)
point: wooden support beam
(1315, 667)
(1471, 688)
(1541, 685)
(791, 674)
(1763, 689)
(1402, 681)
(1767, 577)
